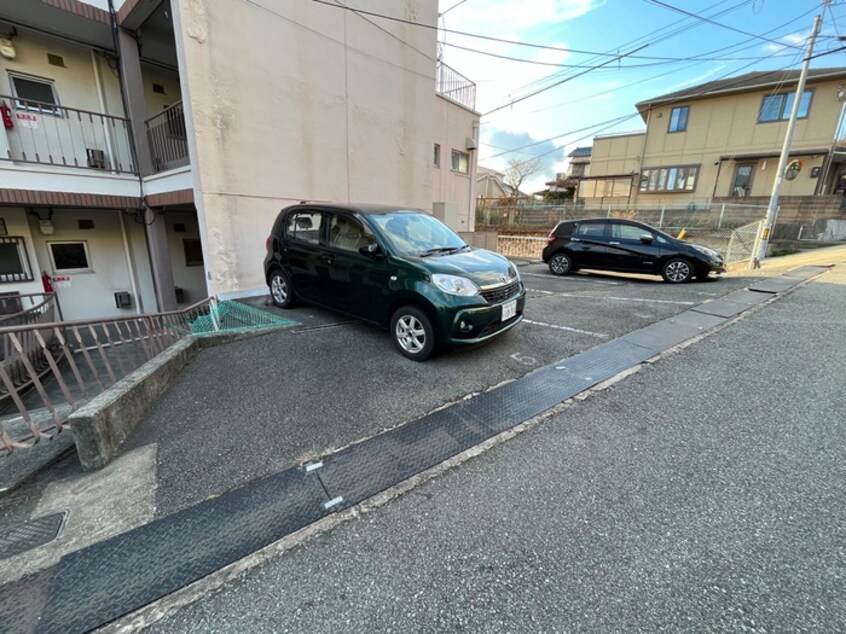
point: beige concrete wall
(615, 155)
(453, 125)
(169, 80)
(297, 101)
(189, 278)
(75, 83)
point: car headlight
(513, 273)
(707, 252)
(454, 284)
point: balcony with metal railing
(455, 86)
(168, 139)
(42, 133)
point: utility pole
(772, 209)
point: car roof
(361, 208)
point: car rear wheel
(677, 271)
(412, 333)
(281, 292)
(560, 264)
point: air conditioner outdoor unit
(96, 158)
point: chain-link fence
(735, 245)
(539, 218)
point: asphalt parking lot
(258, 406)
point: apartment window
(778, 107)
(678, 119)
(14, 262)
(70, 257)
(35, 94)
(681, 178)
(193, 249)
(742, 180)
(460, 162)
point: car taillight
(267, 244)
(550, 237)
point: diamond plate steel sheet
(721, 308)
(700, 321)
(100, 583)
(603, 362)
(527, 397)
(806, 272)
(363, 470)
(774, 285)
(748, 297)
(19, 538)
(662, 335)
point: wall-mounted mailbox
(123, 300)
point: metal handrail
(67, 136)
(168, 138)
(49, 369)
(47, 298)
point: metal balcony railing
(455, 86)
(48, 134)
(168, 139)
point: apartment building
(721, 141)
(147, 145)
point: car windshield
(417, 234)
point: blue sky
(581, 107)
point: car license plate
(509, 310)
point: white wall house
(153, 163)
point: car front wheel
(412, 333)
(560, 264)
(677, 271)
(281, 292)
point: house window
(436, 157)
(460, 162)
(678, 119)
(778, 107)
(742, 181)
(14, 262)
(70, 257)
(193, 250)
(35, 94)
(669, 179)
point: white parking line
(538, 290)
(571, 278)
(629, 299)
(567, 328)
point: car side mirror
(371, 250)
(646, 238)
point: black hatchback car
(613, 244)
(401, 269)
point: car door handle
(326, 258)
(614, 243)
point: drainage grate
(22, 537)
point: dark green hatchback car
(400, 269)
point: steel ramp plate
(106, 580)
(748, 297)
(806, 272)
(700, 321)
(721, 308)
(662, 335)
(774, 285)
(363, 470)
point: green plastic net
(233, 316)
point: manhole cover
(20, 538)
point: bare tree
(518, 171)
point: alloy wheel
(678, 271)
(410, 334)
(279, 288)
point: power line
(563, 81)
(719, 24)
(560, 49)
